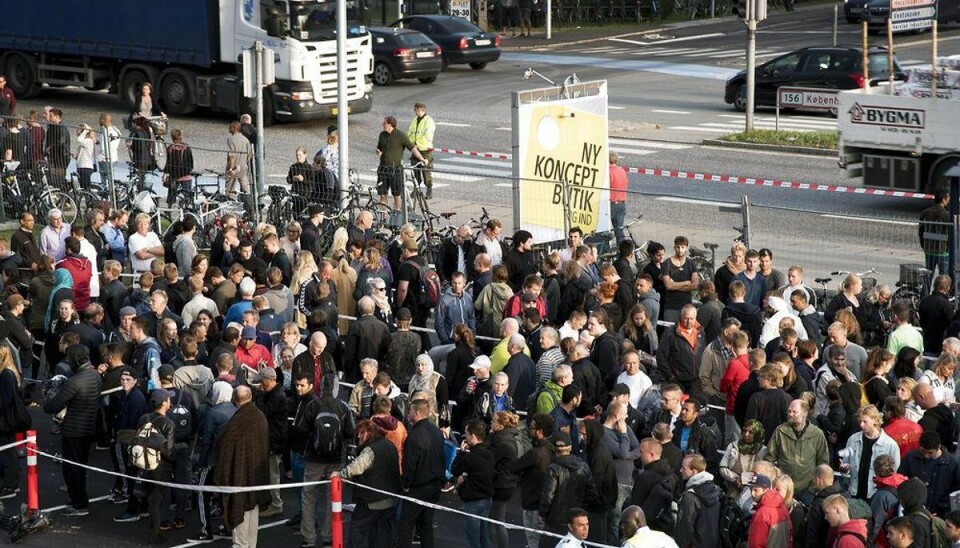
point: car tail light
(439, 51)
(858, 80)
(462, 44)
(496, 41)
(402, 52)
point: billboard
(561, 160)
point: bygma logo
(887, 116)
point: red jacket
(513, 307)
(81, 270)
(738, 370)
(771, 526)
(855, 529)
(906, 433)
(258, 354)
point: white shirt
(567, 331)
(493, 250)
(137, 243)
(570, 541)
(944, 392)
(193, 307)
(638, 385)
(88, 251)
(646, 537)
(84, 151)
(114, 136)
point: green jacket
(550, 396)
(797, 455)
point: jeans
(531, 520)
(182, 474)
(159, 499)
(416, 517)
(11, 463)
(941, 263)
(618, 215)
(475, 530)
(76, 450)
(297, 467)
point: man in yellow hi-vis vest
(420, 134)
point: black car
(826, 67)
(854, 9)
(462, 41)
(404, 53)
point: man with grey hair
(245, 289)
(521, 371)
(53, 237)
(856, 355)
(552, 355)
(552, 393)
(951, 347)
(367, 337)
(315, 362)
(498, 358)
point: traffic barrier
(33, 489)
(708, 177)
(336, 511)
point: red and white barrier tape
(707, 177)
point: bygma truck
(189, 50)
(905, 140)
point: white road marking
(666, 111)
(697, 128)
(887, 221)
(451, 124)
(64, 506)
(670, 41)
(611, 107)
(503, 128)
(195, 543)
(648, 144)
(505, 185)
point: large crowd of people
(623, 403)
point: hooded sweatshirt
(771, 327)
(884, 505)
(490, 305)
(698, 516)
(913, 495)
(81, 270)
(851, 534)
(195, 379)
(394, 431)
(771, 526)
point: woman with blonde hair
(848, 298)
(911, 410)
(13, 420)
(940, 377)
(638, 329)
(306, 267)
(851, 324)
(344, 277)
(290, 242)
(798, 512)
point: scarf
(418, 382)
(756, 428)
(62, 279)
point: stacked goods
(919, 80)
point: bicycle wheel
(160, 153)
(381, 214)
(55, 199)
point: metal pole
(343, 133)
(107, 175)
(836, 15)
(751, 68)
(258, 153)
(549, 19)
(955, 218)
(890, 54)
(713, 8)
(866, 57)
(933, 81)
(745, 211)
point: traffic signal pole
(751, 70)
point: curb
(809, 151)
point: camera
(845, 453)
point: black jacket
(940, 419)
(653, 489)
(749, 316)
(817, 526)
(600, 459)
(166, 428)
(519, 266)
(770, 408)
(935, 312)
(475, 466)
(530, 469)
(590, 381)
(299, 434)
(423, 457)
(704, 439)
(327, 404)
(573, 295)
(80, 396)
(449, 252)
(523, 379)
(274, 407)
(310, 241)
(747, 389)
(111, 297)
(551, 294)
(698, 513)
(676, 359)
(941, 475)
(503, 446)
(368, 337)
(384, 474)
(568, 484)
(605, 354)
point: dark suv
(827, 67)
(404, 53)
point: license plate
(482, 42)
(424, 54)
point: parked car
(826, 67)
(462, 41)
(404, 53)
(854, 9)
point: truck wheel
(938, 179)
(22, 76)
(176, 92)
(130, 87)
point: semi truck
(901, 141)
(190, 51)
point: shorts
(390, 178)
(525, 16)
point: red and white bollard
(33, 492)
(336, 511)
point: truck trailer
(190, 51)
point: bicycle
(158, 128)
(912, 289)
(29, 190)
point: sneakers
(63, 488)
(216, 511)
(118, 497)
(165, 526)
(8, 493)
(222, 532)
(178, 523)
(203, 536)
(72, 512)
(271, 512)
(448, 487)
(127, 517)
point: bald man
(316, 361)
(633, 528)
(453, 252)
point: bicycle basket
(159, 127)
(144, 202)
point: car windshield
(312, 21)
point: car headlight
(302, 96)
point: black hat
(562, 440)
(314, 209)
(165, 371)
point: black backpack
(328, 434)
(182, 420)
(733, 524)
(532, 402)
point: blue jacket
(942, 476)
(568, 420)
(453, 310)
(214, 421)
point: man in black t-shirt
(390, 146)
(679, 277)
(409, 292)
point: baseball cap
(404, 314)
(248, 333)
(128, 311)
(620, 390)
(760, 480)
(480, 361)
(529, 297)
(267, 373)
(158, 396)
(165, 371)
(562, 440)
(315, 209)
